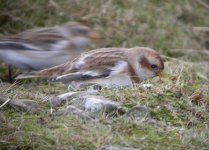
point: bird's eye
(153, 66)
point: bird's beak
(160, 74)
(94, 35)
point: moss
(163, 25)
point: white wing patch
(60, 45)
(81, 61)
(118, 68)
(80, 42)
(91, 73)
(64, 76)
(29, 46)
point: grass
(179, 100)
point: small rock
(138, 114)
(116, 148)
(94, 104)
(86, 86)
(147, 86)
(155, 122)
(21, 104)
(25, 105)
(74, 111)
(58, 100)
(2, 118)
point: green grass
(179, 100)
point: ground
(179, 100)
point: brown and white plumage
(109, 67)
(40, 48)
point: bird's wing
(36, 39)
(97, 57)
(45, 35)
(98, 63)
(17, 46)
(45, 73)
(102, 71)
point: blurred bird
(109, 67)
(40, 48)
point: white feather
(80, 42)
(35, 59)
(60, 45)
(81, 61)
(111, 82)
(145, 74)
(118, 68)
(63, 76)
(90, 73)
(28, 46)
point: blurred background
(180, 100)
(174, 28)
(168, 26)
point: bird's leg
(10, 74)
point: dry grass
(179, 101)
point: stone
(2, 118)
(116, 148)
(30, 106)
(72, 110)
(21, 104)
(58, 100)
(138, 114)
(93, 104)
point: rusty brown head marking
(144, 63)
(155, 65)
(161, 62)
(133, 75)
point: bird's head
(84, 31)
(81, 35)
(79, 30)
(146, 62)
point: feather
(111, 67)
(41, 48)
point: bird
(108, 67)
(44, 47)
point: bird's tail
(49, 72)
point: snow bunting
(110, 67)
(40, 48)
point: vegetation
(179, 100)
